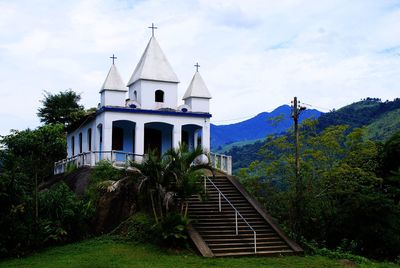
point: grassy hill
(106, 252)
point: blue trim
(142, 111)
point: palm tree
(184, 170)
(153, 180)
(176, 174)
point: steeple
(153, 65)
(113, 90)
(113, 80)
(197, 88)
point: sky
(254, 55)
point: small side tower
(197, 95)
(113, 91)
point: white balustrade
(119, 158)
(221, 162)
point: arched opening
(123, 138)
(100, 137)
(191, 135)
(80, 143)
(135, 95)
(159, 96)
(89, 139)
(157, 137)
(73, 145)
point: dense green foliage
(61, 108)
(33, 152)
(345, 201)
(62, 217)
(30, 219)
(381, 120)
(359, 114)
(167, 182)
(107, 252)
(140, 227)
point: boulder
(115, 205)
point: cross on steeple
(152, 27)
(113, 58)
(197, 66)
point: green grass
(105, 252)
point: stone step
(246, 244)
(261, 253)
(249, 248)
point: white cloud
(254, 55)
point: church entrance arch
(191, 135)
(123, 138)
(157, 137)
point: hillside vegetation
(381, 120)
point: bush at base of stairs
(140, 227)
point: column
(107, 140)
(205, 139)
(176, 136)
(139, 141)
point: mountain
(258, 127)
(380, 120)
(361, 113)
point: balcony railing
(90, 159)
(221, 162)
(120, 158)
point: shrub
(140, 227)
(63, 216)
(174, 230)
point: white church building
(141, 116)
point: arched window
(80, 142)
(159, 96)
(73, 145)
(89, 139)
(135, 95)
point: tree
(345, 205)
(176, 174)
(33, 152)
(185, 171)
(61, 108)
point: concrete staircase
(214, 232)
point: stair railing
(237, 213)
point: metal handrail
(236, 211)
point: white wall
(106, 119)
(146, 94)
(112, 98)
(198, 104)
(85, 140)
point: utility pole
(296, 111)
(298, 200)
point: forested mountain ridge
(381, 120)
(358, 114)
(258, 127)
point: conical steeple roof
(197, 88)
(113, 80)
(153, 65)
